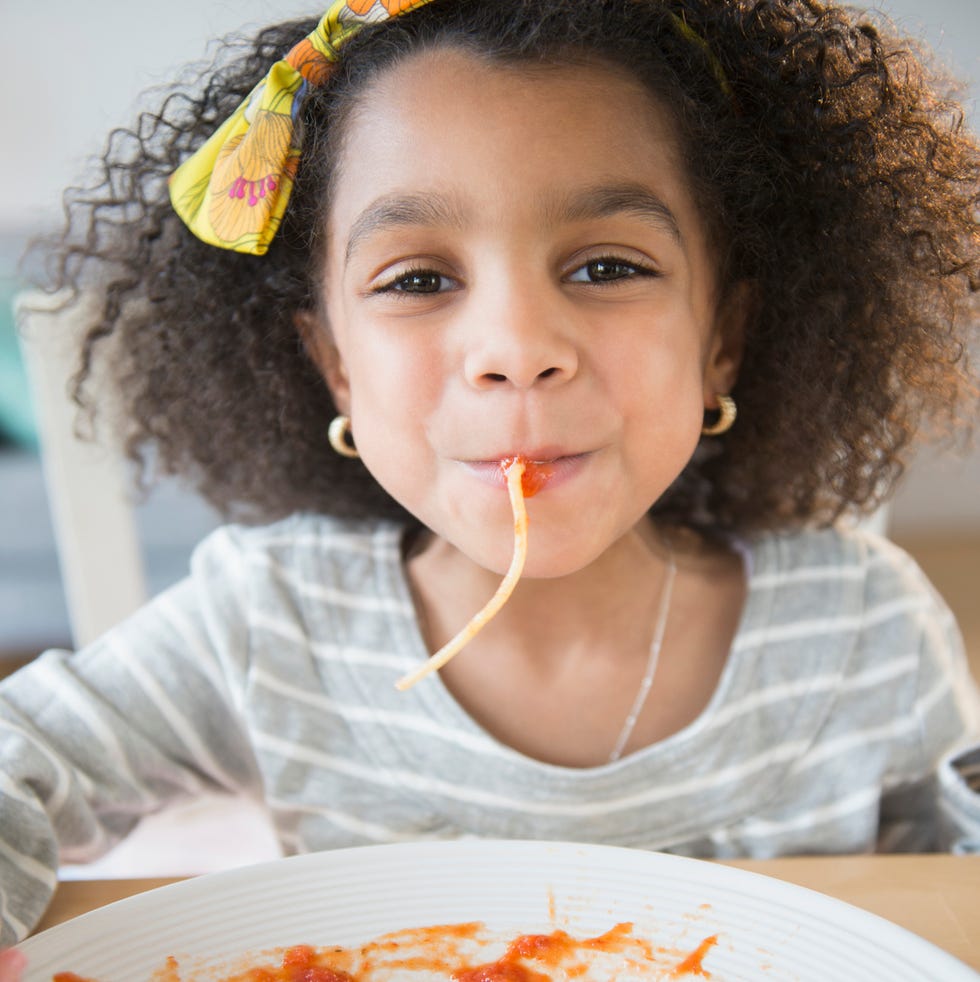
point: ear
(728, 342)
(320, 347)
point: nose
(520, 342)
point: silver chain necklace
(652, 659)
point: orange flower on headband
(232, 192)
(308, 61)
(394, 7)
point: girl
(707, 266)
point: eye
(608, 270)
(417, 281)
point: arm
(92, 742)
(958, 770)
(933, 805)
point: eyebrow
(607, 201)
(432, 209)
(403, 211)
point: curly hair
(833, 173)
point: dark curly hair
(833, 172)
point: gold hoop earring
(340, 437)
(728, 412)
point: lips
(546, 468)
(538, 455)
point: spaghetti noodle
(513, 468)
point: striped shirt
(842, 721)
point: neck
(608, 600)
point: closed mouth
(543, 469)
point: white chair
(102, 569)
(87, 484)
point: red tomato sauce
(535, 475)
(453, 951)
(694, 963)
(300, 963)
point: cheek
(662, 406)
(394, 396)
(397, 380)
(656, 373)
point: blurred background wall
(70, 71)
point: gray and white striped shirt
(270, 672)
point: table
(935, 896)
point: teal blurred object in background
(17, 423)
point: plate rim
(842, 914)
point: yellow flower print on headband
(233, 191)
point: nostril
(502, 377)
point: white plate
(767, 929)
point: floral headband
(233, 191)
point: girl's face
(515, 266)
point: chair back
(88, 486)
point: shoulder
(850, 591)
(306, 562)
(852, 608)
(841, 561)
(300, 538)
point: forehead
(463, 126)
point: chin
(540, 564)
(547, 562)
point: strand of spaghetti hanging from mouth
(523, 479)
